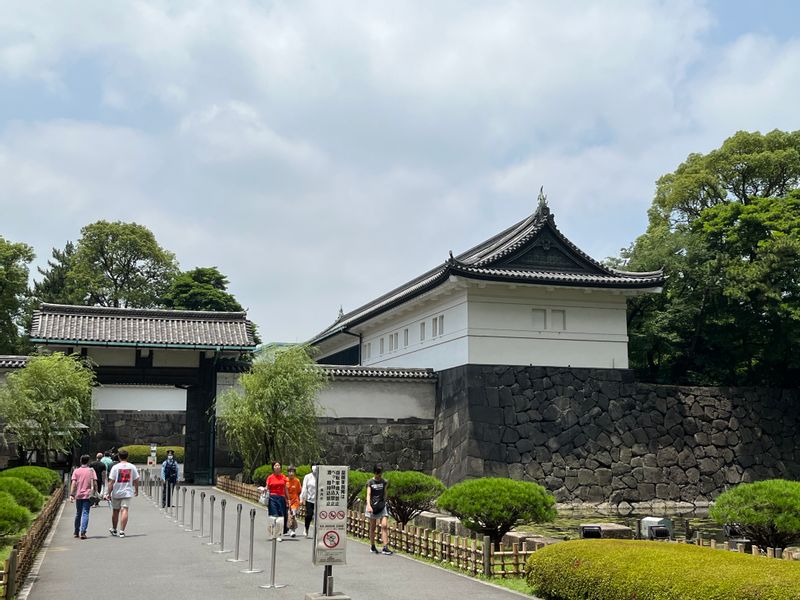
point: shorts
(378, 515)
(118, 503)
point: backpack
(170, 469)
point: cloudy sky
(321, 153)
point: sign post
(330, 522)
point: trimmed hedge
(625, 569)
(411, 492)
(23, 492)
(13, 517)
(43, 479)
(139, 453)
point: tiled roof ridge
(166, 313)
(13, 361)
(378, 372)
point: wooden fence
(471, 555)
(20, 561)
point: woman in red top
(278, 494)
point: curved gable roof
(532, 251)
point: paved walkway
(157, 559)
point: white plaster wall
(175, 358)
(138, 397)
(113, 357)
(378, 399)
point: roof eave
(215, 347)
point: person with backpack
(377, 510)
(169, 474)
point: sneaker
(112, 531)
(386, 551)
(74, 535)
(373, 549)
(280, 539)
(83, 535)
(292, 534)
(122, 535)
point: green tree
(47, 404)
(14, 261)
(121, 264)
(411, 492)
(203, 288)
(274, 415)
(766, 512)
(493, 506)
(725, 228)
(56, 285)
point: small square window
(381, 345)
(558, 320)
(422, 331)
(434, 327)
(539, 319)
(405, 338)
(441, 324)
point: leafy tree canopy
(274, 414)
(203, 288)
(14, 261)
(46, 403)
(726, 228)
(56, 286)
(121, 264)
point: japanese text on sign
(330, 519)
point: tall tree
(725, 227)
(121, 264)
(46, 404)
(274, 415)
(203, 288)
(56, 285)
(14, 261)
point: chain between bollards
(222, 550)
(250, 568)
(238, 535)
(211, 500)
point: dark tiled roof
(12, 362)
(357, 372)
(502, 258)
(58, 323)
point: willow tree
(272, 415)
(47, 406)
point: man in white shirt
(123, 484)
(308, 495)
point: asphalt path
(158, 559)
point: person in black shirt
(100, 469)
(377, 510)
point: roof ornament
(451, 260)
(542, 208)
(341, 313)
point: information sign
(330, 518)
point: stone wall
(360, 443)
(121, 427)
(597, 435)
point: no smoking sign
(330, 539)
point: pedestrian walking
(293, 489)
(169, 474)
(107, 461)
(308, 495)
(377, 511)
(277, 494)
(123, 484)
(102, 472)
(84, 483)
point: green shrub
(411, 492)
(139, 453)
(44, 480)
(493, 506)
(766, 512)
(23, 492)
(356, 486)
(626, 569)
(13, 517)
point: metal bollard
(191, 515)
(202, 513)
(275, 523)
(183, 507)
(222, 550)
(211, 500)
(250, 568)
(238, 535)
(175, 501)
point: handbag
(263, 498)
